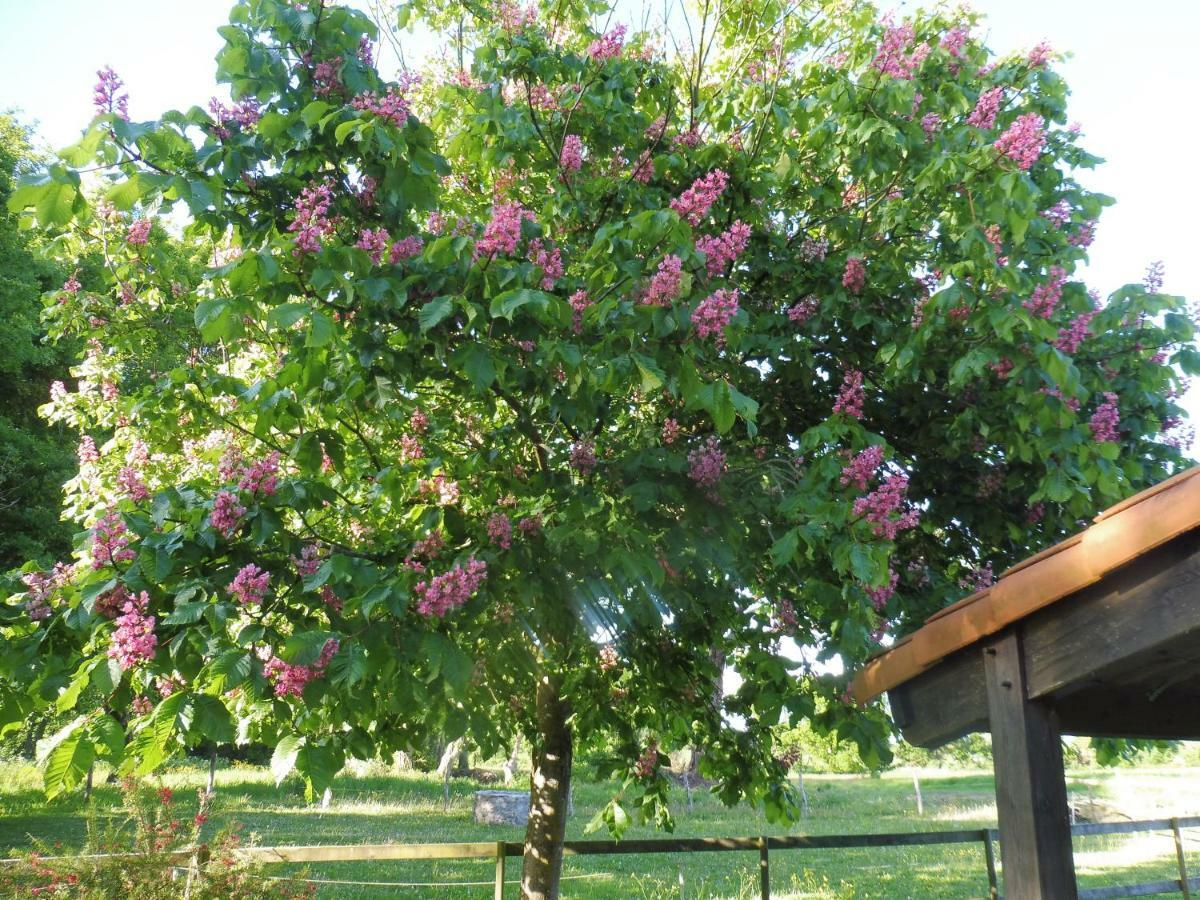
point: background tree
(535, 395)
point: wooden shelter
(1098, 635)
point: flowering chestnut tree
(534, 395)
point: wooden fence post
(500, 854)
(764, 868)
(1183, 875)
(989, 856)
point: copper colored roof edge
(1121, 533)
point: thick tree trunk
(550, 783)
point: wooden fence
(500, 851)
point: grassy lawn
(377, 808)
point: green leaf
(66, 758)
(186, 613)
(721, 407)
(505, 304)
(109, 736)
(285, 315)
(283, 760)
(320, 330)
(476, 361)
(212, 719)
(434, 312)
(68, 698)
(784, 549)
(318, 764)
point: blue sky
(1135, 89)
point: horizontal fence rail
(500, 851)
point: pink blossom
(110, 541)
(530, 525)
(609, 46)
(647, 762)
(897, 56)
(583, 457)
(862, 468)
(804, 309)
(326, 77)
(1153, 280)
(134, 640)
(503, 232)
(142, 706)
(262, 477)
(130, 481)
(930, 123)
(878, 507)
(72, 285)
(714, 313)
(1059, 214)
(609, 659)
(406, 248)
(87, 452)
(881, 595)
(418, 421)
(664, 284)
(430, 545)
(290, 680)
(814, 249)
(1076, 333)
(854, 278)
(499, 530)
(1106, 420)
(670, 431)
(850, 395)
(1023, 141)
(954, 40)
(513, 19)
(444, 491)
(1044, 299)
(977, 579)
(984, 114)
(549, 261)
(784, 619)
(724, 248)
(309, 560)
(391, 107)
(311, 223)
(571, 157)
(227, 513)
(694, 203)
(105, 98)
(139, 232)
(331, 599)
(643, 167)
(579, 304)
(410, 448)
(374, 242)
(109, 604)
(1040, 55)
(707, 464)
(451, 589)
(1084, 236)
(250, 585)
(109, 391)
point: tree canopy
(584, 366)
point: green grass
(376, 808)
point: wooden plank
(1128, 712)
(501, 855)
(1090, 828)
(989, 858)
(358, 852)
(1181, 859)
(764, 869)
(1031, 788)
(942, 703)
(1153, 601)
(1145, 889)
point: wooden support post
(1183, 875)
(989, 857)
(764, 868)
(1031, 787)
(499, 894)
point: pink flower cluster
(290, 680)
(503, 233)
(694, 203)
(850, 396)
(245, 114)
(410, 448)
(41, 586)
(986, 107)
(713, 313)
(139, 232)
(707, 464)
(608, 46)
(784, 619)
(261, 478)
(647, 762)
(670, 431)
(664, 284)
(129, 481)
(549, 261)
(854, 278)
(249, 587)
(882, 594)
(1059, 214)
(499, 530)
(406, 248)
(879, 505)
(1106, 420)
(1076, 333)
(392, 106)
(104, 96)
(803, 310)
(1044, 299)
(579, 303)
(897, 56)
(1040, 55)
(724, 248)
(374, 241)
(312, 223)
(134, 640)
(227, 513)
(309, 560)
(326, 77)
(954, 40)
(110, 541)
(571, 157)
(862, 468)
(930, 123)
(86, 451)
(443, 491)
(450, 590)
(1023, 141)
(583, 457)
